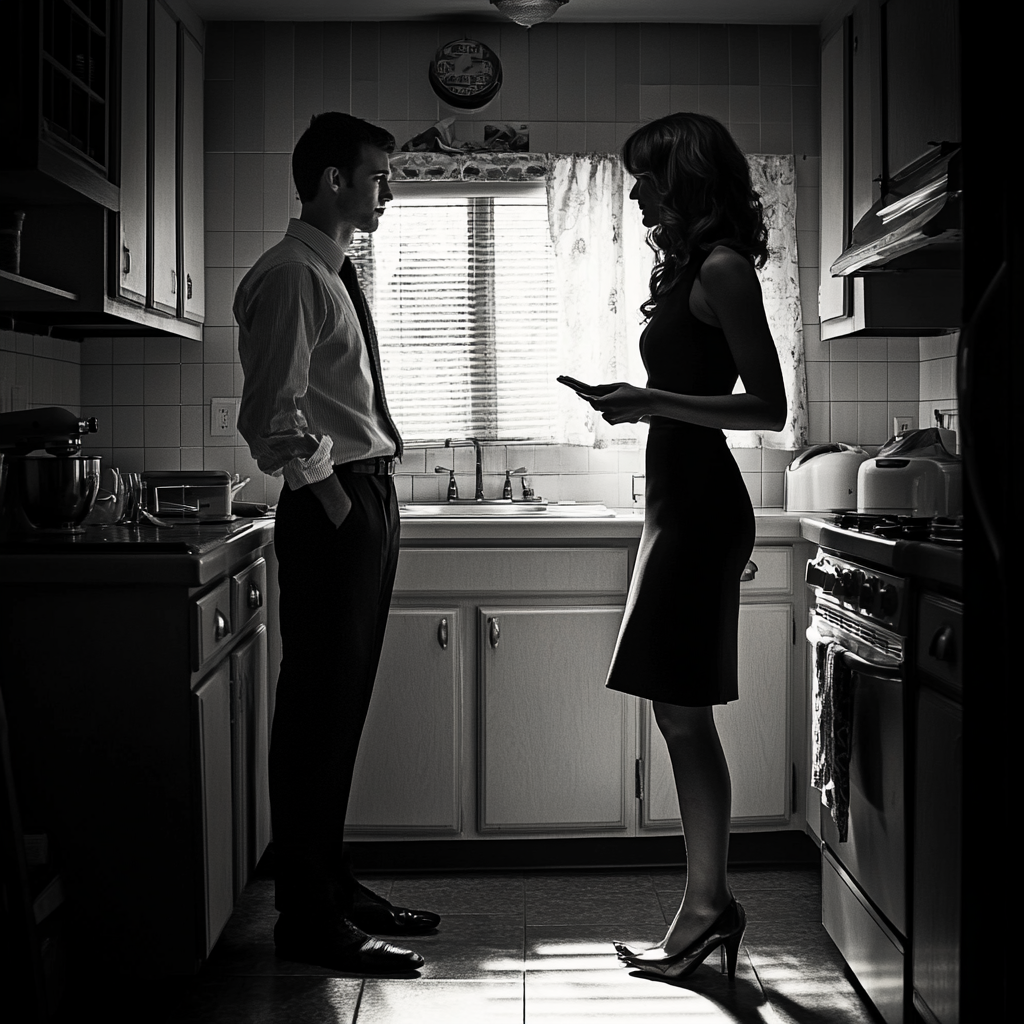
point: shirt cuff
(312, 470)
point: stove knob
(869, 594)
(890, 600)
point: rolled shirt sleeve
(281, 316)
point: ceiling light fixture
(528, 12)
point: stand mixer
(49, 493)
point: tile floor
(533, 947)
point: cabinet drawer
(507, 570)
(211, 623)
(774, 572)
(940, 640)
(248, 592)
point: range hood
(916, 225)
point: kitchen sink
(506, 509)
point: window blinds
(461, 282)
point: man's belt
(383, 465)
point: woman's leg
(705, 801)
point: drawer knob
(494, 631)
(943, 645)
(442, 634)
(255, 596)
(221, 628)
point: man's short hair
(333, 140)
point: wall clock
(466, 74)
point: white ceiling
(763, 12)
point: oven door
(874, 855)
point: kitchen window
(461, 279)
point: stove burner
(933, 528)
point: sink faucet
(457, 443)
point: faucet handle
(517, 472)
(443, 469)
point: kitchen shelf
(15, 288)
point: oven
(861, 611)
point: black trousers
(335, 592)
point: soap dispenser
(506, 491)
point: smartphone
(586, 389)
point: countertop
(186, 553)
(626, 524)
(197, 554)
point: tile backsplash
(579, 87)
(37, 371)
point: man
(313, 408)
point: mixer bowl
(56, 492)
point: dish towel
(832, 727)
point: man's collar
(322, 244)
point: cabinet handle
(174, 282)
(255, 596)
(943, 645)
(442, 634)
(220, 626)
(127, 260)
(188, 286)
(494, 631)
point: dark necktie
(351, 283)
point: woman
(677, 644)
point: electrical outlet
(222, 417)
(901, 424)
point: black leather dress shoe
(341, 946)
(376, 914)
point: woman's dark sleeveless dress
(677, 642)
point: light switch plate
(222, 417)
(901, 424)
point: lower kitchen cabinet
(553, 740)
(508, 730)
(230, 739)
(211, 715)
(408, 773)
(140, 738)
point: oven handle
(868, 668)
(820, 630)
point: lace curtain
(603, 268)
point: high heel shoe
(625, 953)
(725, 933)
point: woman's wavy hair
(703, 182)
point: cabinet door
(754, 729)
(190, 113)
(211, 717)
(922, 78)
(552, 738)
(938, 857)
(163, 162)
(249, 747)
(833, 292)
(407, 777)
(130, 257)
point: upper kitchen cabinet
(118, 247)
(890, 115)
(56, 101)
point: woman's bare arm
(733, 293)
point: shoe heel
(730, 951)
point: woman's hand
(626, 404)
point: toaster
(914, 486)
(913, 474)
(823, 478)
(199, 494)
